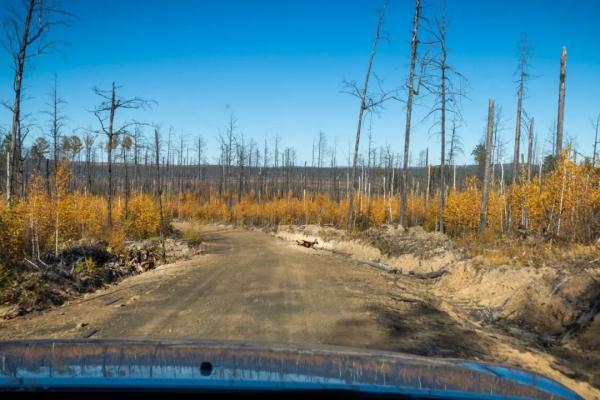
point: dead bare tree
(448, 86)
(161, 227)
(226, 140)
(137, 137)
(442, 87)
(126, 145)
(321, 147)
(409, 104)
(455, 149)
(596, 126)
(524, 53)
(57, 120)
(560, 119)
(530, 148)
(241, 154)
(486, 174)
(88, 142)
(200, 148)
(26, 32)
(105, 113)
(367, 102)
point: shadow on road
(419, 328)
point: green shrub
(86, 266)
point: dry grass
(526, 252)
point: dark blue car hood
(242, 366)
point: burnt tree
(105, 113)
(560, 119)
(486, 168)
(26, 37)
(409, 104)
(366, 103)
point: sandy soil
(253, 286)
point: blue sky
(279, 66)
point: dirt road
(252, 286)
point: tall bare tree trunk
(486, 169)
(530, 149)
(126, 183)
(452, 155)
(409, 104)
(560, 120)
(15, 150)
(361, 111)
(523, 77)
(110, 144)
(442, 204)
(516, 154)
(596, 125)
(55, 124)
(159, 192)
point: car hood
(252, 366)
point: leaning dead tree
(486, 169)
(524, 52)
(409, 103)
(560, 119)
(366, 103)
(26, 32)
(105, 113)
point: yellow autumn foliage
(564, 204)
(143, 216)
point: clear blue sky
(278, 65)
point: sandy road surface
(252, 286)
(255, 287)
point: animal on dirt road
(306, 243)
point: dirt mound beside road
(550, 306)
(412, 251)
(545, 300)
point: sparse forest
(126, 179)
(190, 175)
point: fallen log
(393, 270)
(429, 275)
(584, 320)
(383, 267)
(380, 266)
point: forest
(128, 179)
